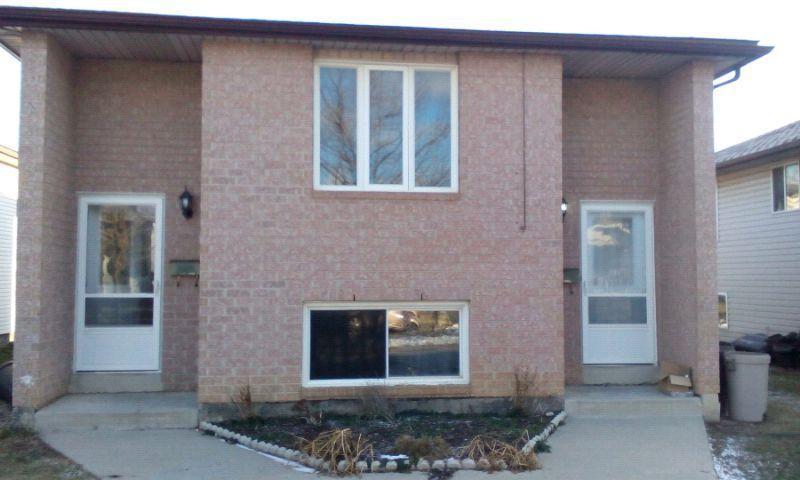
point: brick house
(371, 206)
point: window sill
(373, 195)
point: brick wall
(611, 152)
(686, 226)
(137, 129)
(269, 242)
(45, 251)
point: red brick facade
(237, 129)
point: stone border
(376, 466)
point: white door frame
(84, 201)
(645, 207)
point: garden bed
(410, 440)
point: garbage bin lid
(749, 358)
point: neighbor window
(722, 300)
(362, 344)
(385, 128)
(786, 187)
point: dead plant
(498, 454)
(430, 448)
(524, 386)
(308, 413)
(243, 401)
(375, 404)
(336, 445)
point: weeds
(524, 385)
(430, 448)
(243, 401)
(375, 404)
(497, 455)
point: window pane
(627, 310)
(616, 253)
(432, 134)
(722, 300)
(348, 344)
(337, 136)
(386, 127)
(119, 312)
(119, 249)
(777, 189)
(792, 187)
(423, 343)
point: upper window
(360, 344)
(385, 128)
(786, 187)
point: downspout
(524, 225)
(736, 75)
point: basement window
(722, 301)
(786, 187)
(359, 344)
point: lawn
(768, 450)
(24, 455)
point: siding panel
(758, 256)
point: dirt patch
(24, 455)
(767, 450)
(455, 430)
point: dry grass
(243, 401)
(334, 446)
(374, 403)
(430, 448)
(498, 454)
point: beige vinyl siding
(758, 255)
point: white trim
(156, 200)
(645, 207)
(727, 311)
(463, 340)
(362, 132)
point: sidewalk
(583, 448)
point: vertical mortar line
(524, 225)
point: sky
(766, 97)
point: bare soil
(763, 451)
(456, 430)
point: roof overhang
(178, 38)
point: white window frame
(772, 188)
(362, 131)
(463, 344)
(727, 311)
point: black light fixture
(564, 207)
(186, 203)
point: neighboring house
(758, 204)
(9, 177)
(372, 206)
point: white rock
(423, 465)
(438, 465)
(362, 466)
(468, 464)
(343, 464)
(484, 464)
(502, 465)
(375, 467)
(453, 464)
(391, 466)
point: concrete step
(119, 411)
(620, 374)
(627, 402)
(115, 382)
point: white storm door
(618, 292)
(118, 294)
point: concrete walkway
(614, 433)
(584, 448)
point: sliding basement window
(359, 344)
